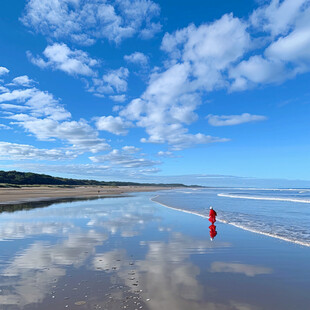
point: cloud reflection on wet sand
(162, 276)
(248, 270)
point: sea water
(278, 213)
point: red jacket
(212, 215)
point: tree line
(29, 178)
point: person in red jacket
(212, 215)
(213, 231)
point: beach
(132, 253)
(11, 195)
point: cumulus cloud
(2, 126)
(115, 125)
(14, 151)
(257, 70)
(165, 154)
(4, 70)
(285, 56)
(163, 106)
(178, 137)
(79, 134)
(293, 47)
(85, 22)
(229, 53)
(78, 63)
(278, 17)
(151, 30)
(229, 120)
(130, 149)
(114, 81)
(124, 159)
(200, 57)
(23, 80)
(118, 98)
(210, 48)
(137, 58)
(37, 102)
(40, 114)
(60, 57)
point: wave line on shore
(263, 198)
(307, 244)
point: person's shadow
(213, 231)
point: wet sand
(131, 253)
(46, 193)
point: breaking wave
(264, 198)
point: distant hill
(29, 178)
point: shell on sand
(80, 303)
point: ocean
(278, 213)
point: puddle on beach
(130, 253)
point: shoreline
(235, 225)
(12, 196)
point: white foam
(303, 243)
(268, 189)
(264, 198)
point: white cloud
(229, 53)
(79, 134)
(114, 81)
(199, 61)
(278, 17)
(286, 56)
(115, 125)
(130, 149)
(124, 159)
(23, 80)
(257, 70)
(210, 49)
(3, 89)
(61, 57)
(79, 63)
(2, 126)
(84, 22)
(151, 30)
(37, 102)
(178, 137)
(118, 98)
(165, 107)
(4, 70)
(43, 115)
(229, 120)
(294, 47)
(14, 151)
(165, 154)
(137, 58)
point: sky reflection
(113, 253)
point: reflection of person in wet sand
(213, 231)
(212, 215)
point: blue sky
(147, 90)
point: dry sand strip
(45, 193)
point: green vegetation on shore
(15, 178)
